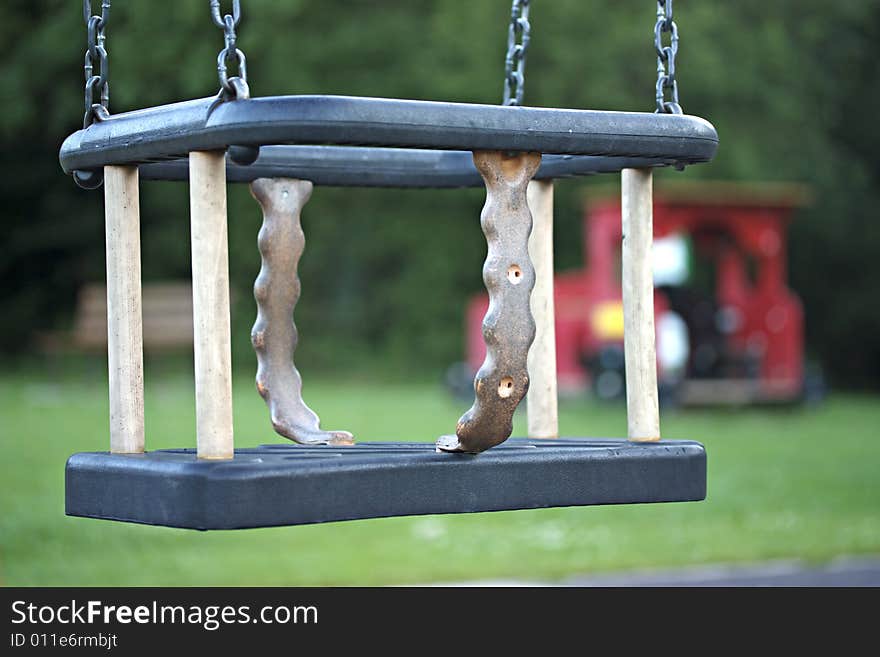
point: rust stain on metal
(508, 327)
(277, 290)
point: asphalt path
(842, 572)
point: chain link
(666, 59)
(514, 74)
(515, 62)
(96, 54)
(236, 86)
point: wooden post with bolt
(125, 343)
(640, 352)
(211, 330)
(541, 401)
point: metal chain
(666, 59)
(515, 62)
(236, 86)
(96, 53)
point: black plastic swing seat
(173, 131)
(288, 484)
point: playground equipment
(284, 146)
(730, 330)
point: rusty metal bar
(508, 327)
(277, 290)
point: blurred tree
(791, 87)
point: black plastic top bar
(350, 166)
(172, 131)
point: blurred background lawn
(792, 87)
(798, 482)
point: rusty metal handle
(277, 290)
(508, 327)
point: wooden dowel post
(541, 401)
(125, 342)
(210, 273)
(637, 280)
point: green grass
(801, 483)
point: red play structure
(729, 330)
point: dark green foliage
(791, 86)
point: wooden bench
(167, 312)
